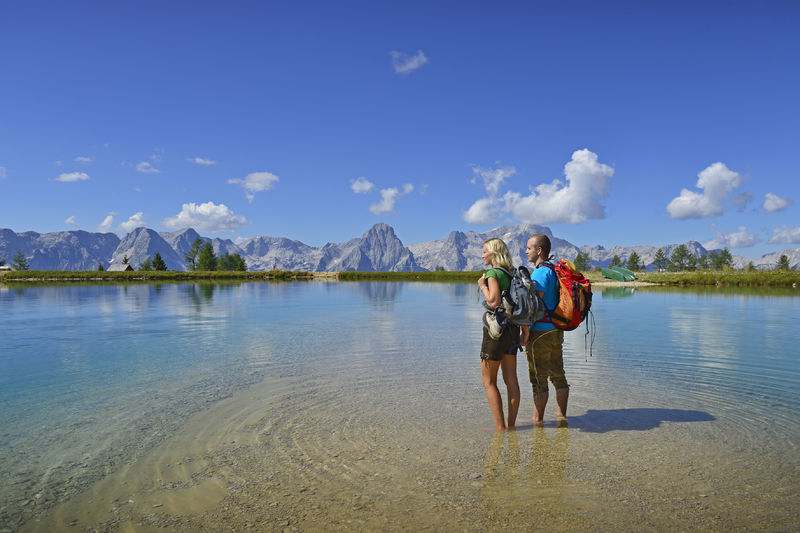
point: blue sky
(614, 123)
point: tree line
(200, 258)
(681, 259)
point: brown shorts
(546, 360)
(495, 349)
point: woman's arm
(490, 290)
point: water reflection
(515, 483)
(381, 293)
(617, 292)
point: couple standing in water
(542, 341)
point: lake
(358, 405)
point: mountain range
(379, 249)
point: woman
(499, 353)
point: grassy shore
(731, 278)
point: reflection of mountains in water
(386, 292)
(618, 292)
(381, 292)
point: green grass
(715, 277)
(705, 278)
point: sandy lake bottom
(368, 433)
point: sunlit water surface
(323, 406)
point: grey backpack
(526, 307)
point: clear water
(319, 406)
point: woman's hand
(524, 335)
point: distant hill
(378, 249)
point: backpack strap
(507, 273)
(547, 318)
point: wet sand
(270, 459)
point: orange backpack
(574, 299)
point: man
(543, 343)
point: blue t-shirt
(546, 281)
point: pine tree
(146, 265)
(703, 262)
(616, 261)
(582, 262)
(100, 267)
(660, 261)
(191, 256)
(721, 260)
(125, 260)
(241, 264)
(226, 262)
(691, 262)
(158, 262)
(19, 262)
(634, 262)
(783, 264)
(206, 259)
(680, 257)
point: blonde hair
(500, 254)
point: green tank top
(503, 279)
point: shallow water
(321, 406)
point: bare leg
(489, 380)
(539, 403)
(509, 367)
(562, 397)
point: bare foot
(561, 422)
(538, 423)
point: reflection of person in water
(501, 352)
(521, 485)
(500, 479)
(549, 458)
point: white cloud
(73, 176)
(136, 221)
(57, 163)
(388, 199)
(484, 211)
(739, 239)
(255, 182)
(3, 173)
(106, 225)
(206, 217)
(84, 159)
(389, 195)
(493, 178)
(201, 161)
(774, 203)
(71, 221)
(146, 168)
(405, 64)
(785, 235)
(572, 202)
(361, 185)
(717, 182)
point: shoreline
(770, 279)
